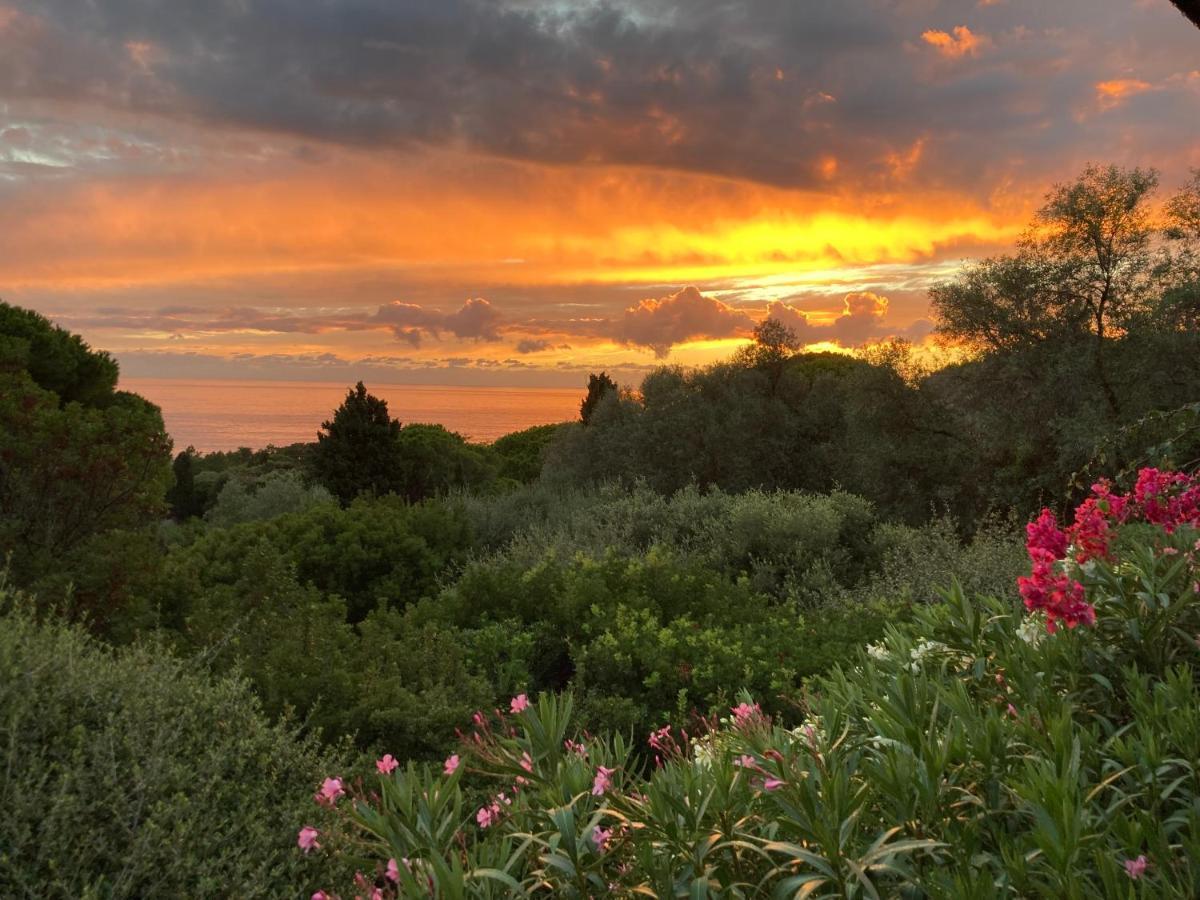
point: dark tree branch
(1190, 8)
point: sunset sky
(518, 192)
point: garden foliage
(981, 750)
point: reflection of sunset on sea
(404, 194)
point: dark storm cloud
(769, 90)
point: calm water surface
(225, 415)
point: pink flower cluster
(1169, 499)
(1060, 597)
(602, 782)
(1166, 499)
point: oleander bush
(980, 750)
(132, 774)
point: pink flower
(387, 765)
(320, 895)
(1012, 710)
(600, 837)
(451, 765)
(772, 784)
(744, 712)
(487, 815)
(526, 761)
(377, 894)
(746, 761)
(519, 703)
(1089, 534)
(1044, 539)
(603, 781)
(1060, 597)
(576, 747)
(1136, 868)
(477, 718)
(393, 871)
(307, 839)
(331, 789)
(660, 737)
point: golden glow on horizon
(526, 224)
(312, 235)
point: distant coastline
(220, 414)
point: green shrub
(976, 751)
(132, 774)
(274, 494)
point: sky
(518, 192)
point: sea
(215, 415)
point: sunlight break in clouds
(961, 43)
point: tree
(1083, 268)
(70, 472)
(357, 451)
(598, 386)
(1096, 233)
(55, 359)
(1003, 303)
(78, 458)
(185, 503)
(774, 344)
(1179, 307)
(433, 460)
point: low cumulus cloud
(476, 319)
(685, 315)
(860, 322)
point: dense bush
(133, 775)
(520, 455)
(374, 551)
(974, 752)
(372, 620)
(274, 494)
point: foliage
(374, 551)
(275, 494)
(969, 753)
(131, 774)
(56, 360)
(599, 386)
(69, 472)
(183, 498)
(357, 450)
(431, 461)
(520, 454)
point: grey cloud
(701, 85)
(533, 345)
(476, 319)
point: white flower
(878, 651)
(1031, 631)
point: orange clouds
(963, 41)
(683, 316)
(465, 218)
(1115, 92)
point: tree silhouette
(357, 451)
(598, 387)
(1190, 8)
